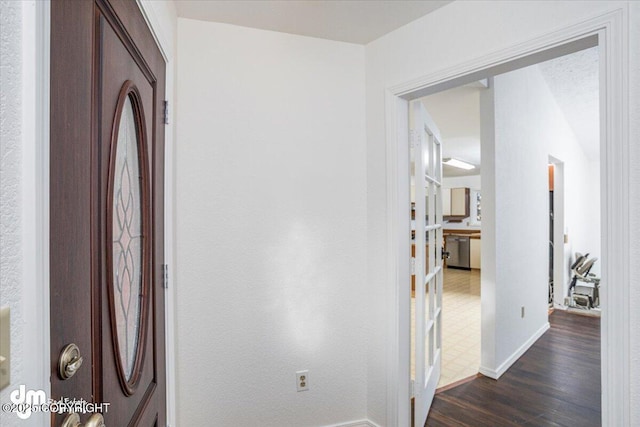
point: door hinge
(165, 112)
(413, 266)
(412, 389)
(165, 276)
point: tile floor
(460, 326)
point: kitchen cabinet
(456, 204)
(460, 202)
(446, 202)
(475, 254)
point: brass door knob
(95, 420)
(73, 420)
(69, 361)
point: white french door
(426, 171)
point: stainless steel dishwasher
(458, 248)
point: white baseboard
(497, 373)
(358, 423)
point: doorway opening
(508, 171)
(574, 182)
(456, 112)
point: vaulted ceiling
(574, 83)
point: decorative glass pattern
(127, 239)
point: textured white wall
(10, 188)
(634, 201)
(271, 228)
(431, 44)
(529, 126)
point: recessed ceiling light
(459, 164)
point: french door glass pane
(427, 155)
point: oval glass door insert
(127, 238)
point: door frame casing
(35, 198)
(35, 173)
(165, 39)
(611, 29)
(559, 275)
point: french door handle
(444, 254)
(73, 420)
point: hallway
(556, 383)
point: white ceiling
(457, 114)
(351, 21)
(572, 80)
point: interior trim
(35, 200)
(165, 36)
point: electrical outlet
(522, 312)
(302, 380)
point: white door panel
(427, 178)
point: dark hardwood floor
(555, 383)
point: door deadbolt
(69, 361)
(73, 420)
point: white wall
(592, 217)
(11, 190)
(271, 228)
(427, 46)
(634, 201)
(529, 126)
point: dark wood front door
(106, 212)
